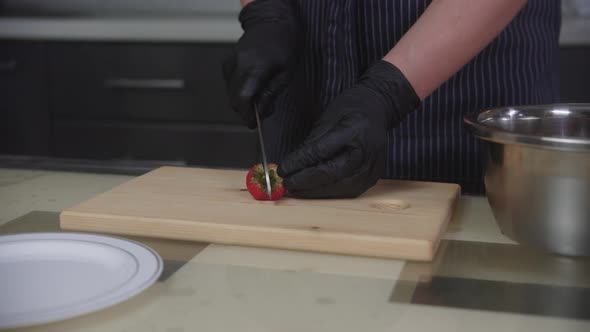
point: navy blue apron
(343, 37)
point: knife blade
(262, 150)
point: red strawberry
(256, 183)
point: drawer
(206, 145)
(24, 115)
(136, 81)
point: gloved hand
(344, 154)
(262, 62)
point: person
(352, 91)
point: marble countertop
(575, 31)
(479, 281)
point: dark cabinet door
(137, 81)
(203, 145)
(145, 101)
(575, 74)
(24, 116)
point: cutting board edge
(289, 239)
(447, 220)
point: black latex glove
(263, 60)
(344, 154)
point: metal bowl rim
(498, 135)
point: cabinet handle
(6, 66)
(143, 83)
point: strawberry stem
(275, 179)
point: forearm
(446, 37)
(245, 2)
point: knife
(264, 162)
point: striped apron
(343, 37)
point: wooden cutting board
(394, 219)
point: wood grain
(395, 219)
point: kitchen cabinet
(109, 101)
(144, 82)
(145, 101)
(24, 116)
(197, 144)
(131, 100)
(575, 74)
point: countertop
(220, 28)
(479, 281)
(147, 29)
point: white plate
(47, 277)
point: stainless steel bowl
(538, 173)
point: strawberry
(256, 183)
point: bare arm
(446, 37)
(245, 2)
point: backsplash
(120, 7)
